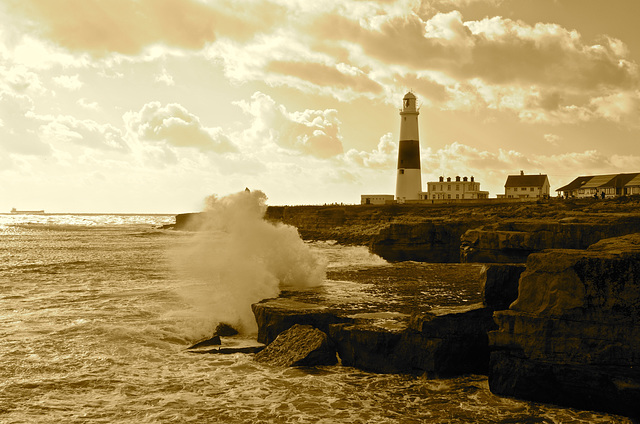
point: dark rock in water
(193, 221)
(500, 285)
(213, 341)
(573, 335)
(274, 316)
(222, 330)
(230, 350)
(445, 342)
(449, 341)
(300, 345)
(367, 347)
(225, 330)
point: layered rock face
(444, 342)
(513, 242)
(435, 241)
(573, 335)
(401, 337)
(487, 233)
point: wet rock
(448, 341)
(192, 221)
(436, 241)
(500, 285)
(274, 316)
(573, 335)
(368, 347)
(225, 330)
(213, 341)
(300, 345)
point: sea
(96, 319)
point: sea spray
(237, 258)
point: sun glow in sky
(153, 105)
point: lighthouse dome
(409, 95)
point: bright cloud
(219, 95)
(174, 125)
(312, 132)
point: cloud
(541, 72)
(617, 106)
(83, 132)
(326, 78)
(128, 27)
(165, 78)
(174, 125)
(310, 132)
(18, 132)
(83, 103)
(552, 139)
(70, 82)
(384, 156)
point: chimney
(457, 179)
(441, 179)
(464, 179)
(472, 178)
(521, 172)
(448, 179)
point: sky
(150, 106)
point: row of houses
(523, 187)
(468, 189)
(610, 185)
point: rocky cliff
(513, 241)
(572, 337)
(492, 233)
(406, 333)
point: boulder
(500, 284)
(572, 337)
(225, 330)
(300, 345)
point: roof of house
(575, 184)
(634, 182)
(620, 180)
(599, 181)
(526, 180)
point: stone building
(526, 186)
(460, 189)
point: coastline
(483, 338)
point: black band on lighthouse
(409, 154)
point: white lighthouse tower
(408, 179)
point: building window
(457, 196)
(457, 187)
(448, 196)
(515, 189)
(449, 187)
(531, 189)
(402, 171)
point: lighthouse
(408, 179)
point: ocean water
(95, 319)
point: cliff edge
(572, 337)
